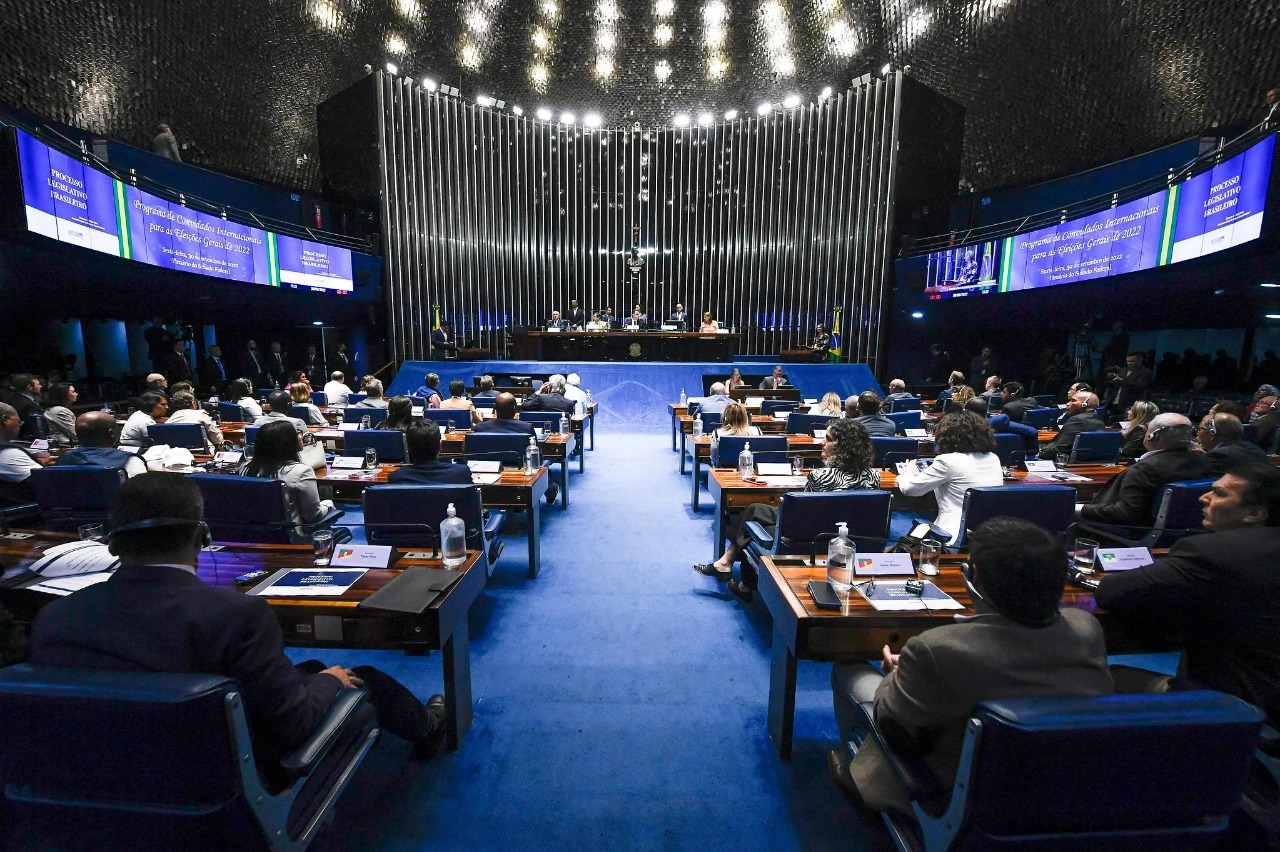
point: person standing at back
(165, 144)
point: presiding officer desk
(319, 622)
(540, 345)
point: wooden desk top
(728, 479)
(509, 477)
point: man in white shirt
(187, 410)
(573, 389)
(150, 406)
(16, 463)
(336, 391)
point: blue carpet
(620, 698)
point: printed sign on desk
(883, 564)
(1123, 558)
(313, 582)
(364, 555)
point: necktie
(221, 372)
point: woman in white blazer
(965, 459)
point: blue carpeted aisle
(619, 698)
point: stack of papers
(892, 596)
(72, 566)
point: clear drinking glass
(91, 532)
(370, 457)
(930, 556)
(797, 465)
(1062, 459)
(1084, 554)
(322, 540)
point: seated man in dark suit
(25, 400)
(504, 418)
(486, 389)
(1015, 404)
(97, 433)
(550, 397)
(155, 614)
(423, 440)
(1001, 423)
(1019, 645)
(1080, 416)
(1130, 498)
(866, 410)
(1222, 437)
(1216, 595)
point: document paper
(314, 582)
(892, 596)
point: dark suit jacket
(442, 341)
(157, 618)
(1219, 593)
(577, 316)
(277, 364)
(25, 406)
(1229, 455)
(1130, 498)
(1132, 447)
(175, 367)
(1132, 385)
(1016, 408)
(314, 369)
(548, 402)
(255, 372)
(498, 424)
(211, 376)
(341, 361)
(878, 426)
(1085, 421)
(434, 472)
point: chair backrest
(1045, 399)
(906, 419)
(188, 435)
(505, 447)
(909, 447)
(244, 508)
(1010, 448)
(767, 449)
(1050, 506)
(410, 515)
(74, 494)
(301, 412)
(994, 404)
(950, 405)
(39, 425)
(319, 399)
(355, 398)
(771, 407)
(1250, 432)
(388, 443)
(484, 401)
(1178, 510)
(251, 435)
(459, 417)
(906, 403)
(710, 421)
(549, 420)
(1165, 768)
(1041, 417)
(806, 516)
(231, 412)
(1100, 446)
(804, 424)
(357, 415)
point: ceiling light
(396, 45)
(606, 39)
(567, 118)
(470, 56)
(826, 93)
(591, 119)
(843, 40)
(477, 22)
(664, 8)
(731, 115)
(682, 120)
(484, 100)
(517, 110)
(317, 322)
(764, 109)
(662, 70)
(543, 114)
(1269, 285)
(540, 39)
(326, 14)
(772, 11)
(392, 69)
(705, 119)
(917, 314)
(791, 101)
(428, 84)
(1273, 316)
(784, 65)
(604, 66)
(408, 8)
(717, 65)
(608, 11)
(888, 66)
(714, 12)
(714, 36)
(549, 8)
(539, 74)
(662, 33)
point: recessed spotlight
(517, 110)
(791, 101)
(705, 119)
(543, 114)
(917, 314)
(397, 45)
(428, 84)
(604, 66)
(392, 69)
(682, 120)
(731, 115)
(764, 108)
(606, 39)
(662, 70)
(484, 100)
(662, 33)
(567, 118)
(664, 8)
(591, 119)
(826, 93)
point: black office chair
(112, 759)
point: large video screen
(1210, 212)
(73, 203)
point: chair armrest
(304, 758)
(327, 521)
(494, 522)
(911, 770)
(1104, 535)
(759, 535)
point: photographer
(1128, 384)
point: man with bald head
(157, 383)
(1080, 416)
(97, 431)
(16, 463)
(1130, 498)
(504, 418)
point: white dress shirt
(250, 406)
(134, 432)
(573, 393)
(212, 434)
(950, 475)
(15, 465)
(336, 393)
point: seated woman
(62, 423)
(275, 456)
(735, 421)
(966, 458)
(831, 405)
(709, 325)
(1139, 415)
(846, 458)
(242, 393)
(399, 414)
(961, 394)
(735, 379)
(300, 393)
(458, 400)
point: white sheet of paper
(811, 402)
(755, 401)
(348, 462)
(483, 466)
(1123, 558)
(348, 427)
(892, 596)
(485, 478)
(75, 557)
(774, 469)
(784, 481)
(63, 586)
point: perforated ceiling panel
(1049, 85)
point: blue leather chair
(906, 419)
(1101, 446)
(764, 448)
(808, 518)
(1162, 771)
(1041, 418)
(497, 446)
(356, 398)
(319, 399)
(772, 407)
(251, 435)
(357, 415)
(388, 443)
(301, 412)
(910, 403)
(549, 420)
(902, 448)
(73, 494)
(409, 515)
(950, 405)
(460, 418)
(804, 424)
(1045, 399)
(1049, 506)
(710, 421)
(232, 412)
(1010, 448)
(484, 401)
(1178, 514)
(133, 760)
(252, 509)
(188, 435)
(39, 426)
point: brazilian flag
(833, 352)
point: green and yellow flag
(833, 351)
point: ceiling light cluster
(791, 101)
(408, 8)
(715, 14)
(662, 70)
(773, 21)
(397, 45)
(607, 15)
(326, 14)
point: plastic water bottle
(564, 424)
(590, 399)
(684, 399)
(840, 553)
(697, 427)
(453, 539)
(746, 462)
(366, 422)
(532, 457)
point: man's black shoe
(430, 741)
(552, 491)
(838, 769)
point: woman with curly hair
(966, 458)
(735, 421)
(831, 405)
(961, 394)
(1139, 415)
(846, 458)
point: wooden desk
(555, 447)
(516, 491)
(802, 631)
(325, 622)
(805, 446)
(768, 425)
(540, 345)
